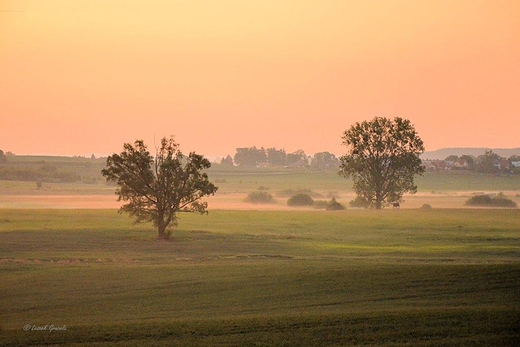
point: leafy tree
(382, 159)
(452, 157)
(276, 157)
(470, 160)
(227, 161)
(156, 188)
(488, 162)
(324, 161)
(297, 158)
(250, 156)
(3, 157)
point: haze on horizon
(85, 77)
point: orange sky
(81, 77)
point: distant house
(298, 164)
(428, 164)
(502, 164)
(460, 164)
(435, 165)
(516, 164)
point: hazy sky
(81, 77)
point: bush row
(307, 200)
(486, 200)
(263, 197)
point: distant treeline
(442, 153)
(43, 173)
(489, 162)
(261, 157)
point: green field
(262, 278)
(242, 179)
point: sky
(84, 77)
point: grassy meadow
(439, 189)
(75, 272)
(261, 278)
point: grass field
(261, 278)
(440, 190)
(243, 179)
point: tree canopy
(382, 159)
(250, 156)
(3, 157)
(227, 161)
(156, 188)
(324, 161)
(276, 157)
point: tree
(452, 157)
(489, 162)
(156, 188)
(227, 161)
(276, 157)
(324, 161)
(250, 156)
(3, 157)
(297, 158)
(382, 159)
(470, 160)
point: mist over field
(259, 173)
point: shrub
(426, 207)
(486, 200)
(263, 188)
(290, 192)
(333, 205)
(300, 200)
(259, 197)
(359, 201)
(320, 204)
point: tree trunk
(379, 202)
(161, 227)
(163, 235)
